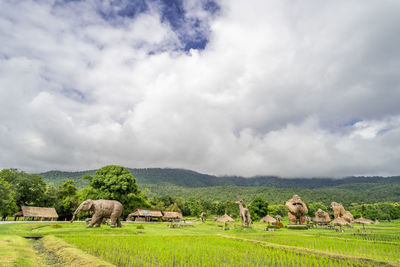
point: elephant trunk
(76, 212)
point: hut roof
(172, 215)
(39, 212)
(363, 221)
(146, 213)
(268, 218)
(225, 218)
(340, 221)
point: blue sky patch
(192, 32)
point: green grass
(17, 251)
(207, 245)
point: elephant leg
(302, 219)
(99, 221)
(119, 222)
(113, 219)
(94, 220)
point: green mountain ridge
(192, 179)
(276, 190)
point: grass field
(198, 245)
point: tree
(116, 183)
(258, 208)
(50, 199)
(67, 199)
(173, 207)
(29, 188)
(313, 207)
(7, 202)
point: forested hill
(191, 179)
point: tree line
(18, 188)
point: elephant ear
(91, 204)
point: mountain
(192, 179)
(186, 183)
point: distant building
(37, 212)
(145, 215)
(172, 215)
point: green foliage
(29, 188)
(7, 201)
(116, 183)
(173, 207)
(278, 210)
(67, 200)
(258, 208)
(313, 207)
(383, 210)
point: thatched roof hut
(268, 219)
(363, 221)
(37, 212)
(145, 215)
(171, 215)
(225, 218)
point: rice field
(207, 245)
(195, 251)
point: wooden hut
(145, 215)
(37, 212)
(172, 215)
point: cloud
(275, 87)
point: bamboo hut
(172, 215)
(145, 215)
(37, 212)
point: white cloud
(274, 92)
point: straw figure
(340, 212)
(297, 209)
(322, 217)
(101, 209)
(278, 218)
(244, 214)
(203, 217)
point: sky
(226, 87)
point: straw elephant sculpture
(101, 209)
